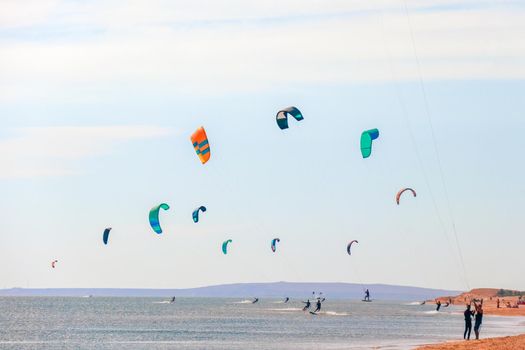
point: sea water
(213, 323)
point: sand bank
(490, 302)
(503, 343)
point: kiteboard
(313, 313)
(367, 301)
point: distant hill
(240, 290)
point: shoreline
(516, 342)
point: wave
(334, 313)
(287, 309)
(243, 302)
(431, 312)
(162, 302)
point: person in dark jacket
(468, 322)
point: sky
(98, 100)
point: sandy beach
(490, 307)
(503, 343)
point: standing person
(497, 303)
(468, 322)
(478, 318)
(438, 305)
(367, 295)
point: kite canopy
(273, 246)
(366, 141)
(398, 195)
(105, 236)
(53, 263)
(349, 246)
(225, 246)
(196, 213)
(154, 217)
(282, 116)
(199, 139)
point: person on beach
(468, 322)
(367, 295)
(307, 305)
(497, 303)
(478, 318)
(318, 305)
(438, 305)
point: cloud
(50, 151)
(207, 47)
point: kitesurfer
(307, 305)
(367, 295)
(286, 300)
(172, 300)
(468, 322)
(318, 305)
(255, 300)
(438, 305)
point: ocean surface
(213, 323)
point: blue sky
(98, 99)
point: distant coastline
(262, 290)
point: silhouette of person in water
(318, 305)
(468, 322)
(307, 305)
(255, 300)
(367, 295)
(438, 305)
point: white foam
(287, 309)
(432, 312)
(243, 302)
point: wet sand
(503, 343)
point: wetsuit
(468, 323)
(307, 306)
(367, 295)
(477, 324)
(318, 308)
(438, 306)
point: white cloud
(50, 151)
(259, 45)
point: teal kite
(274, 244)
(282, 116)
(366, 141)
(196, 213)
(225, 246)
(105, 236)
(154, 217)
